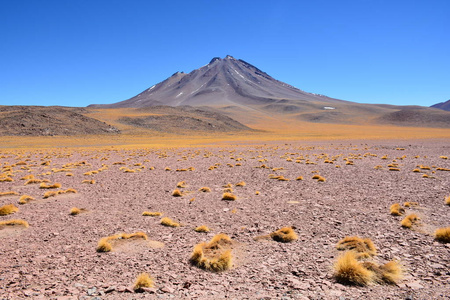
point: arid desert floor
(56, 258)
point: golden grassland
(285, 132)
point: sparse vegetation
(14, 222)
(284, 235)
(442, 235)
(363, 248)
(9, 193)
(177, 193)
(8, 209)
(24, 199)
(50, 186)
(229, 196)
(143, 281)
(202, 228)
(348, 270)
(205, 189)
(169, 222)
(397, 210)
(152, 214)
(214, 256)
(410, 220)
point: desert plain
(114, 182)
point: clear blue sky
(75, 53)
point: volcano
(242, 91)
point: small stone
(110, 289)
(415, 285)
(167, 289)
(92, 291)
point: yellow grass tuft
(202, 228)
(214, 256)
(28, 177)
(391, 272)
(104, 245)
(442, 235)
(443, 157)
(50, 186)
(409, 204)
(394, 169)
(88, 181)
(169, 222)
(397, 210)
(447, 200)
(24, 199)
(152, 214)
(8, 209)
(14, 222)
(76, 211)
(143, 281)
(348, 270)
(321, 179)
(363, 248)
(229, 196)
(177, 193)
(257, 193)
(241, 183)
(284, 235)
(6, 179)
(416, 171)
(50, 194)
(181, 184)
(299, 178)
(409, 221)
(69, 174)
(317, 176)
(34, 181)
(205, 189)
(9, 193)
(69, 191)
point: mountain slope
(443, 105)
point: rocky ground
(56, 258)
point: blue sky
(75, 53)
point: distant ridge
(443, 105)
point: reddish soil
(56, 258)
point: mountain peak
(224, 82)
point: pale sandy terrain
(56, 258)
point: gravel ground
(56, 258)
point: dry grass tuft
(34, 181)
(241, 183)
(177, 193)
(229, 196)
(24, 199)
(442, 235)
(202, 228)
(152, 214)
(6, 179)
(14, 222)
(28, 177)
(50, 194)
(8, 209)
(363, 248)
(76, 211)
(321, 179)
(181, 184)
(143, 281)
(397, 210)
(205, 189)
(284, 235)
(299, 178)
(10, 193)
(88, 181)
(50, 186)
(169, 222)
(214, 256)
(104, 245)
(410, 220)
(348, 270)
(410, 204)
